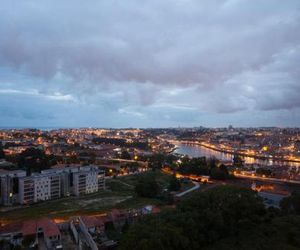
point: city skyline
(160, 64)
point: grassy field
(186, 186)
(161, 178)
(119, 194)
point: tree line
(225, 217)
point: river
(198, 151)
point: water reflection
(198, 151)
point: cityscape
(95, 175)
(167, 125)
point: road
(197, 185)
(266, 179)
(124, 160)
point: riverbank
(230, 152)
(260, 157)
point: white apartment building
(42, 188)
(79, 180)
(16, 187)
(87, 180)
(39, 187)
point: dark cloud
(216, 57)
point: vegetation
(35, 160)
(202, 166)
(237, 161)
(187, 166)
(291, 204)
(174, 184)
(147, 187)
(264, 171)
(2, 155)
(125, 155)
(225, 217)
(130, 167)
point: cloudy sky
(152, 63)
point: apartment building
(79, 180)
(26, 190)
(85, 181)
(55, 185)
(16, 187)
(9, 186)
(39, 187)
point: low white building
(42, 188)
(88, 180)
(39, 187)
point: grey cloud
(217, 57)
(159, 42)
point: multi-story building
(55, 185)
(79, 180)
(16, 187)
(9, 186)
(39, 187)
(26, 190)
(57, 182)
(85, 181)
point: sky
(151, 63)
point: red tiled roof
(117, 214)
(11, 228)
(91, 221)
(29, 227)
(48, 226)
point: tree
(174, 184)
(132, 166)
(219, 173)
(33, 159)
(2, 155)
(200, 221)
(237, 161)
(153, 234)
(125, 155)
(156, 161)
(212, 162)
(264, 171)
(224, 217)
(291, 204)
(147, 187)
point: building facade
(9, 186)
(56, 183)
